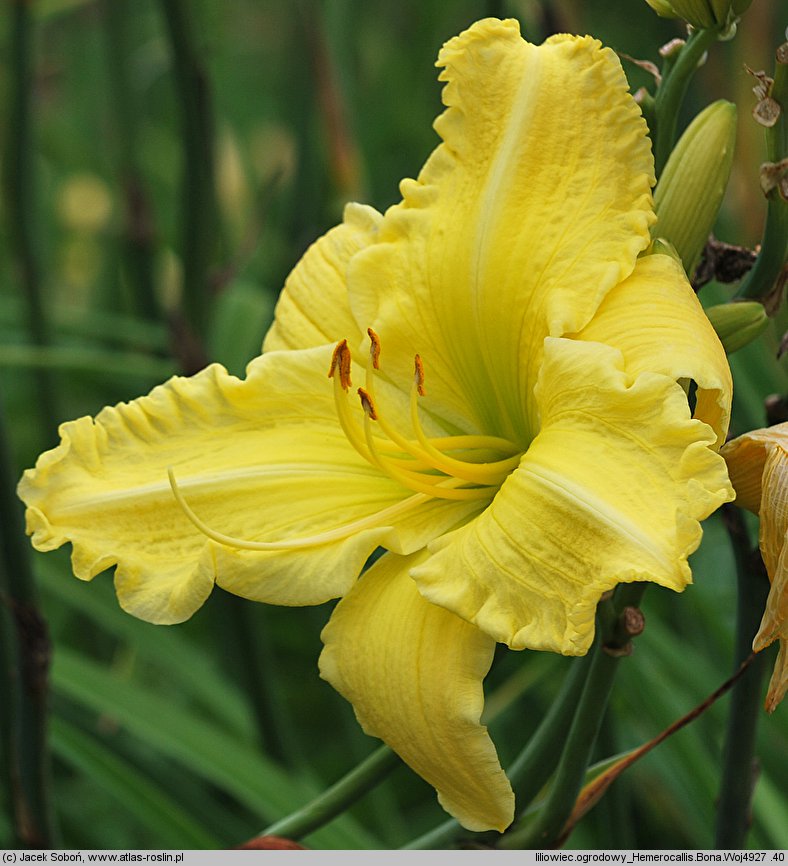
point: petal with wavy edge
(746, 457)
(778, 684)
(313, 307)
(656, 321)
(414, 672)
(774, 548)
(612, 490)
(262, 459)
(758, 466)
(537, 203)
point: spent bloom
(758, 465)
(505, 416)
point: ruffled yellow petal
(534, 207)
(262, 459)
(413, 673)
(612, 490)
(656, 321)
(313, 308)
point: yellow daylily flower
(758, 465)
(521, 441)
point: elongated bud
(662, 8)
(738, 323)
(702, 14)
(692, 184)
(659, 246)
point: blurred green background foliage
(172, 169)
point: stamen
(446, 488)
(423, 452)
(346, 422)
(467, 442)
(492, 473)
(374, 348)
(421, 465)
(419, 376)
(377, 519)
(367, 404)
(340, 360)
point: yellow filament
(439, 488)
(421, 465)
(465, 442)
(492, 473)
(346, 422)
(354, 435)
(420, 459)
(372, 521)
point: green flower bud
(662, 8)
(702, 14)
(692, 185)
(738, 323)
(659, 246)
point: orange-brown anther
(367, 404)
(419, 376)
(340, 361)
(374, 349)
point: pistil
(379, 518)
(419, 464)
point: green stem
(199, 211)
(576, 755)
(739, 763)
(138, 237)
(20, 192)
(25, 655)
(531, 769)
(771, 261)
(769, 264)
(670, 95)
(338, 797)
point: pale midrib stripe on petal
(499, 173)
(160, 490)
(603, 512)
(512, 141)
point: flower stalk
(20, 192)
(768, 272)
(612, 644)
(24, 663)
(672, 89)
(138, 238)
(339, 797)
(739, 773)
(199, 212)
